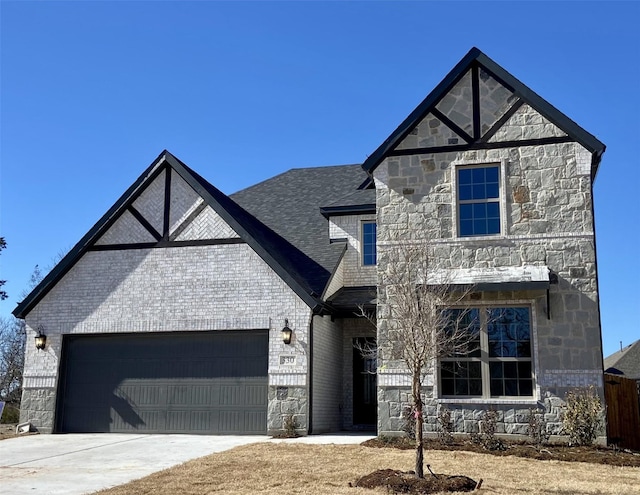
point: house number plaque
(287, 360)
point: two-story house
(187, 310)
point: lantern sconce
(286, 333)
(41, 339)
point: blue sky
(91, 92)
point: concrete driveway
(75, 464)
(84, 463)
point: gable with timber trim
(167, 199)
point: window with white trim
(499, 361)
(478, 192)
(369, 243)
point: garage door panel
(179, 420)
(255, 420)
(231, 395)
(105, 387)
(141, 394)
(229, 420)
(201, 395)
(139, 420)
(203, 420)
(255, 395)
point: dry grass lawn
(283, 469)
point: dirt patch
(406, 482)
(595, 455)
(8, 430)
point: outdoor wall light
(286, 333)
(41, 339)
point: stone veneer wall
(546, 221)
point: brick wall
(327, 374)
(216, 287)
(349, 227)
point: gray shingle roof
(293, 240)
(289, 204)
(356, 198)
(352, 299)
(626, 360)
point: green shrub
(583, 416)
(11, 414)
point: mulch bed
(406, 482)
(595, 455)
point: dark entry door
(365, 401)
(182, 382)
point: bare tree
(13, 333)
(12, 342)
(418, 325)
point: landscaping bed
(596, 455)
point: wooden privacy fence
(623, 411)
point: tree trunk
(417, 403)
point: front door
(365, 363)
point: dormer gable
(474, 108)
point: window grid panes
(498, 362)
(369, 243)
(479, 200)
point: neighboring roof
(290, 203)
(477, 58)
(305, 275)
(626, 360)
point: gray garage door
(188, 382)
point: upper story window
(499, 361)
(478, 200)
(368, 243)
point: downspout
(310, 377)
(595, 253)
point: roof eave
(551, 113)
(328, 211)
(407, 124)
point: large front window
(498, 361)
(478, 200)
